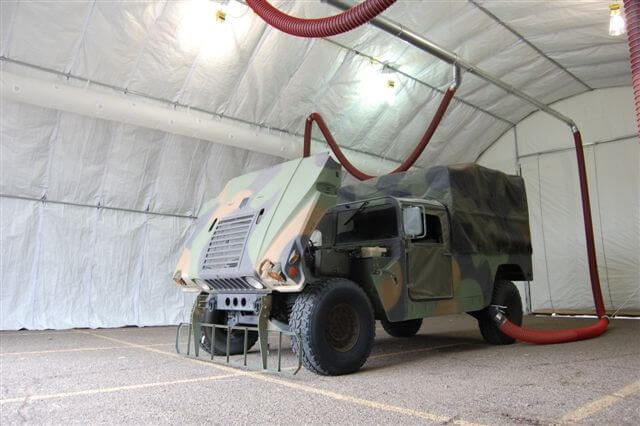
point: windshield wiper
(357, 212)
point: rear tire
(236, 343)
(334, 320)
(407, 328)
(505, 293)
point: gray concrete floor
(446, 374)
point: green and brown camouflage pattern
(488, 236)
(485, 235)
(282, 204)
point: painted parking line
(112, 389)
(600, 404)
(304, 388)
(75, 330)
(98, 348)
(418, 350)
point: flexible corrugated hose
(320, 27)
(353, 170)
(563, 336)
(365, 11)
(632, 14)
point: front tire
(335, 322)
(505, 293)
(407, 328)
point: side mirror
(316, 238)
(414, 222)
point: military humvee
(288, 248)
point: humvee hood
(259, 216)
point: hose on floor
(320, 27)
(563, 336)
(353, 170)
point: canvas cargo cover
(488, 208)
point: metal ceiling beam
(409, 76)
(415, 39)
(419, 81)
(527, 42)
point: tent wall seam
(535, 111)
(604, 249)
(544, 239)
(571, 148)
(144, 46)
(7, 39)
(78, 44)
(96, 206)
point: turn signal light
(292, 271)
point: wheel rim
(343, 327)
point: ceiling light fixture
(617, 25)
(379, 84)
(212, 28)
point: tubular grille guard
(227, 243)
(229, 328)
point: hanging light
(617, 25)
(205, 26)
(378, 83)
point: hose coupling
(457, 77)
(497, 314)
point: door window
(434, 230)
(370, 223)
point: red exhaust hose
(365, 11)
(320, 27)
(353, 170)
(632, 13)
(563, 336)
(550, 337)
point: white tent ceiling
(93, 212)
(246, 70)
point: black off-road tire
(407, 328)
(505, 293)
(236, 343)
(318, 310)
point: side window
(371, 223)
(434, 230)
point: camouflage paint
(285, 202)
(488, 227)
(487, 221)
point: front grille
(229, 284)
(227, 243)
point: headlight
(271, 273)
(203, 285)
(254, 283)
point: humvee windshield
(371, 223)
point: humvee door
(427, 246)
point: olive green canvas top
(488, 208)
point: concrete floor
(446, 374)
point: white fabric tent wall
(542, 149)
(73, 265)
